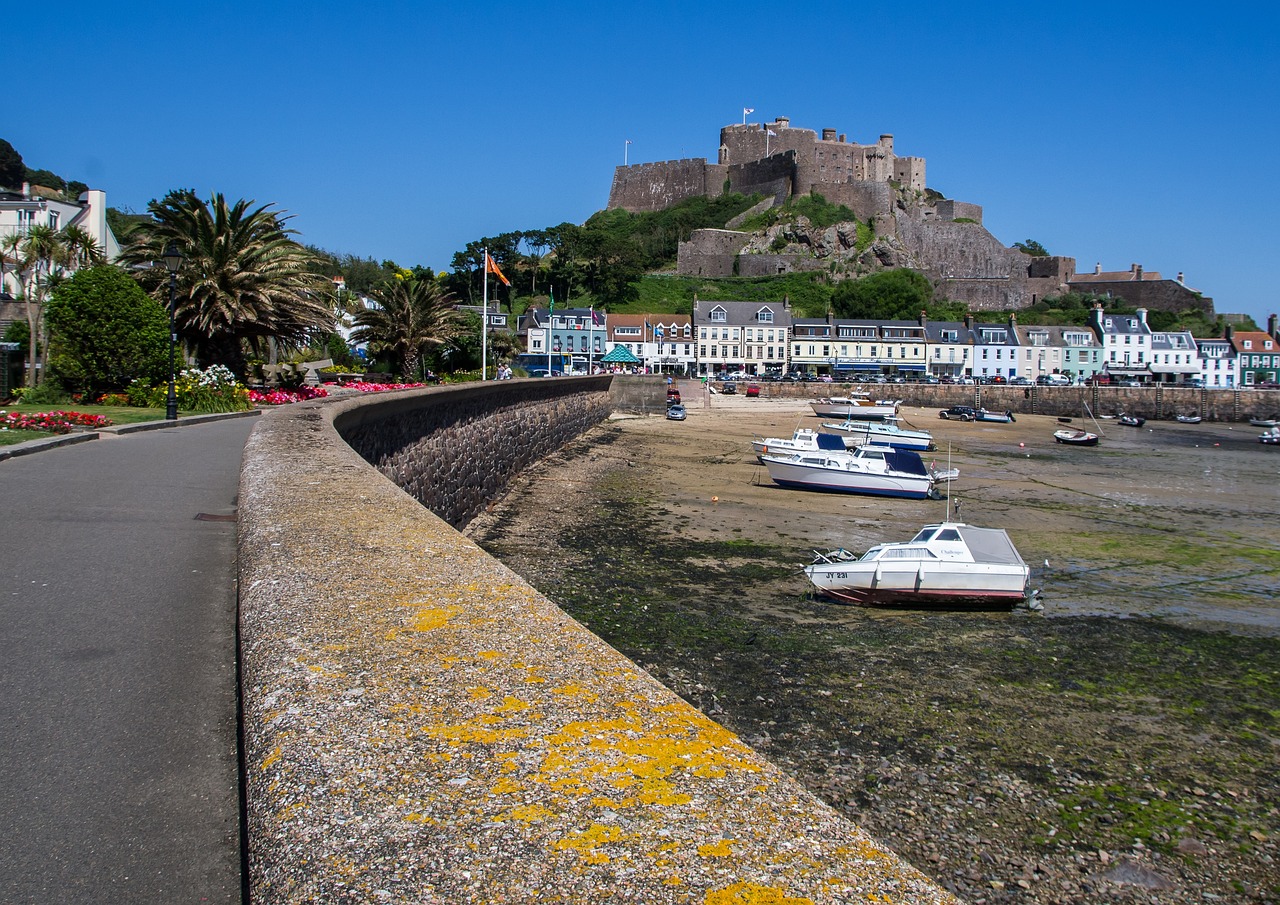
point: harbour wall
(1153, 403)
(421, 725)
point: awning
(620, 355)
(866, 367)
(910, 367)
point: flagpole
(484, 321)
(626, 146)
(551, 308)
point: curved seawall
(422, 725)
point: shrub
(214, 389)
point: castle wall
(657, 186)
(909, 172)
(979, 270)
(769, 265)
(870, 201)
(710, 253)
(773, 176)
(959, 210)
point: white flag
(746, 110)
(771, 132)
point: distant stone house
(742, 336)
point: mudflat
(1119, 746)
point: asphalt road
(118, 754)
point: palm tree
(244, 281)
(411, 315)
(36, 259)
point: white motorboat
(858, 406)
(1270, 436)
(948, 564)
(887, 433)
(869, 470)
(1188, 419)
(1263, 422)
(803, 440)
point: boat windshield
(924, 535)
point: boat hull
(880, 583)
(871, 432)
(835, 480)
(1076, 438)
(852, 410)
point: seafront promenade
(118, 767)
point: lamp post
(173, 258)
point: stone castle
(913, 225)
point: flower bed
(284, 397)
(51, 422)
(303, 393)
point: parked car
(728, 388)
(1020, 381)
(676, 412)
(1053, 380)
(958, 413)
(673, 396)
(753, 389)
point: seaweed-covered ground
(1120, 747)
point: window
(719, 316)
(764, 316)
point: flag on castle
(746, 110)
(491, 266)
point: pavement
(119, 764)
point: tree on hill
(890, 295)
(12, 170)
(1031, 247)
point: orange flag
(492, 266)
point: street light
(173, 258)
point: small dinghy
(1076, 437)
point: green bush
(214, 389)
(48, 392)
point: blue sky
(1116, 133)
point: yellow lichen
(721, 849)
(752, 894)
(271, 758)
(430, 618)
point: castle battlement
(772, 159)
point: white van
(1053, 380)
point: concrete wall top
(422, 725)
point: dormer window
(1248, 344)
(764, 316)
(719, 316)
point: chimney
(1013, 320)
(828, 134)
(1097, 268)
(968, 321)
(1142, 315)
(26, 191)
(1180, 278)
(924, 318)
(1271, 326)
(1137, 273)
(1228, 333)
(842, 138)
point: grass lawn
(119, 414)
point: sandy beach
(1120, 746)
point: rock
(1133, 874)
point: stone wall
(421, 725)
(773, 176)
(710, 253)
(1155, 295)
(657, 186)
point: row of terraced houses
(758, 339)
